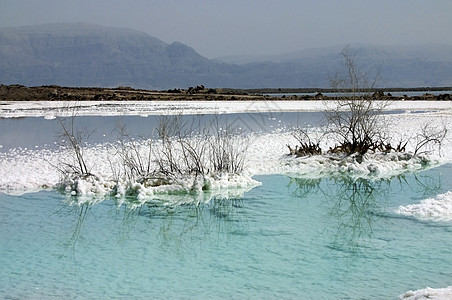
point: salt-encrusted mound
(370, 165)
(268, 154)
(428, 293)
(186, 189)
(433, 209)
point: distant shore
(330, 90)
(200, 93)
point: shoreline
(199, 93)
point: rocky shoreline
(199, 93)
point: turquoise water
(287, 239)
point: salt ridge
(428, 293)
(433, 209)
(52, 109)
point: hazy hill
(364, 52)
(78, 54)
(401, 66)
(88, 55)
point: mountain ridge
(423, 51)
(81, 54)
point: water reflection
(427, 185)
(181, 225)
(78, 215)
(353, 210)
(356, 205)
(173, 225)
(353, 205)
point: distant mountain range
(80, 54)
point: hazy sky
(234, 27)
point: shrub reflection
(355, 205)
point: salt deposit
(52, 109)
(27, 170)
(428, 293)
(30, 170)
(435, 209)
(186, 190)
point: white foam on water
(428, 293)
(433, 209)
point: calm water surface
(36, 133)
(289, 238)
